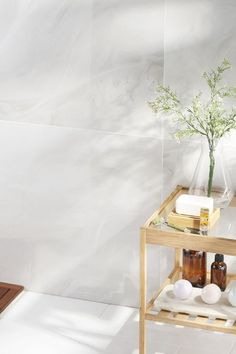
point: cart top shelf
(223, 233)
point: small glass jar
(195, 267)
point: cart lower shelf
(194, 305)
(221, 317)
(203, 322)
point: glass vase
(211, 177)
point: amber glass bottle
(218, 271)
(195, 262)
(195, 267)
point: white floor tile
(120, 320)
(42, 308)
(26, 339)
(203, 348)
(190, 338)
(38, 323)
(233, 351)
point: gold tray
(182, 221)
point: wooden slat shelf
(185, 319)
(182, 319)
(171, 238)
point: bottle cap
(219, 258)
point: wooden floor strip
(8, 292)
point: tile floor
(37, 323)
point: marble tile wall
(82, 64)
(81, 154)
(205, 35)
(80, 151)
(198, 35)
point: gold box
(182, 221)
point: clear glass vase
(211, 177)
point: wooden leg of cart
(178, 254)
(143, 285)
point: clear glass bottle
(222, 191)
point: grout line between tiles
(103, 310)
(153, 137)
(232, 348)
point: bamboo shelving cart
(214, 243)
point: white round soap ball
(211, 294)
(232, 296)
(182, 289)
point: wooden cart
(150, 234)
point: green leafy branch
(209, 118)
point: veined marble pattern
(87, 64)
(127, 59)
(72, 202)
(45, 54)
(198, 35)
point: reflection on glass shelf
(224, 227)
(161, 224)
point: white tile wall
(198, 35)
(84, 64)
(72, 202)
